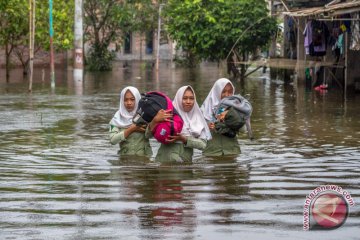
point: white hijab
(214, 97)
(194, 122)
(123, 118)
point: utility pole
(51, 31)
(158, 40)
(31, 41)
(78, 42)
(272, 50)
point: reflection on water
(61, 179)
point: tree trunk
(7, 60)
(231, 66)
(243, 67)
(141, 41)
(19, 53)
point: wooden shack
(342, 71)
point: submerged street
(62, 179)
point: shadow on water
(60, 176)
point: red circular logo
(329, 210)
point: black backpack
(148, 106)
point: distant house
(138, 46)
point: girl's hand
(133, 128)
(211, 126)
(140, 128)
(221, 117)
(175, 138)
(163, 115)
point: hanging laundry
(291, 33)
(317, 33)
(340, 43)
(355, 36)
(307, 37)
(291, 38)
(315, 41)
(334, 36)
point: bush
(100, 59)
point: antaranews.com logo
(326, 207)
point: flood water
(61, 179)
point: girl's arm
(197, 143)
(116, 134)
(189, 141)
(120, 134)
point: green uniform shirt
(221, 145)
(178, 152)
(135, 144)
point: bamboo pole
(158, 40)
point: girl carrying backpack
(194, 134)
(220, 144)
(130, 137)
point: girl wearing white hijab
(195, 131)
(131, 138)
(219, 145)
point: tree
(105, 22)
(13, 27)
(63, 21)
(208, 30)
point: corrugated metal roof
(300, 4)
(332, 10)
(296, 4)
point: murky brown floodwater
(61, 179)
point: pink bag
(164, 129)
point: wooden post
(31, 41)
(346, 52)
(300, 51)
(272, 50)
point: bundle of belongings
(148, 106)
(232, 113)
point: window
(149, 42)
(127, 43)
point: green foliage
(100, 59)
(14, 15)
(13, 21)
(63, 22)
(145, 15)
(14, 27)
(209, 29)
